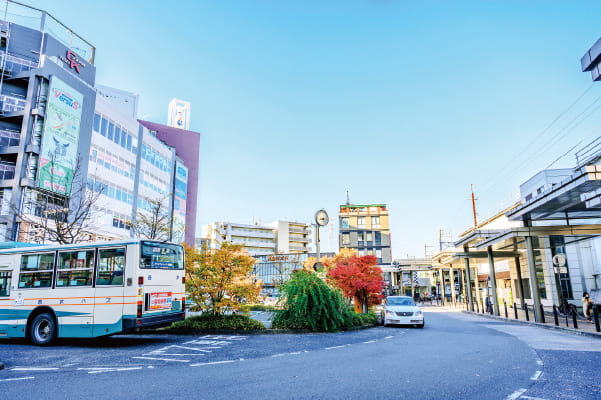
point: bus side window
(36, 270)
(111, 263)
(5, 283)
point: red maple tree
(361, 278)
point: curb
(245, 332)
(539, 325)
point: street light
(321, 219)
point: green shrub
(370, 318)
(211, 321)
(261, 307)
(309, 303)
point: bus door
(7, 311)
(108, 307)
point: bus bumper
(152, 321)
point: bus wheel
(42, 330)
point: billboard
(180, 194)
(60, 137)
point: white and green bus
(90, 289)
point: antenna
(347, 198)
(474, 205)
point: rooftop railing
(42, 20)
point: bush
(210, 321)
(309, 303)
(246, 308)
(370, 318)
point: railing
(14, 65)
(588, 152)
(298, 230)
(9, 138)
(11, 104)
(7, 171)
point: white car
(401, 310)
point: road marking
(370, 341)
(99, 370)
(279, 355)
(161, 359)
(17, 379)
(539, 362)
(33, 369)
(213, 363)
(516, 394)
(536, 375)
(388, 337)
(532, 398)
(336, 347)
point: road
(456, 356)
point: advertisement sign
(60, 137)
(180, 195)
(160, 301)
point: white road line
(336, 347)
(172, 354)
(516, 394)
(532, 398)
(278, 355)
(539, 362)
(536, 375)
(114, 370)
(161, 359)
(33, 369)
(213, 363)
(388, 337)
(17, 379)
(370, 341)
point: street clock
(321, 217)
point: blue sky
(400, 102)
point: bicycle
(567, 309)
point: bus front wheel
(42, 330)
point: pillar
(468, 277)
(452, 279)
(442, 290)
(412, 284)
(477, 285)
(533, 280)
(493, 280)
(518, 270)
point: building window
(360, 222)
(97, 120)
(379, 254)
(375, 222)
(344, 223)
(346, 239)
(378, 237)
(103, 127)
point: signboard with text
(60, 138)
(160, 301)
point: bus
(90, 289)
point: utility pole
(474, 205)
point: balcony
(14, 65)
(305, 231)
(7, 171)
(298, 239)
(9, 138)
(11, 103)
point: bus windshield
(155, 255)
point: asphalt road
(456, 356)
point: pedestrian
(587, 306)
(488, 305)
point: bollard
(555, 315)
(542, 313)
(477, 308)
(515, 310)
(596, 316)
(567, 319)
(574, 320)
(526, 309)
(505, 304)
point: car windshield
(399, 301)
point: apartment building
(291, 237)
(257, 239)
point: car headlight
(389, 313)
(418, 314)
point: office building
(364, 227)
(257, 239)
(59, 131)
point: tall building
(364, 227)
(291, 237)
(257, 239)
(179, 114)
(59, 132)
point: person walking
(488, 305)
(587, 306)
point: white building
(291, 237)
(256, 239)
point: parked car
(402, 310)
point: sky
(407, 103)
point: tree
(329, 262)
(361, 278)
(60, 218)
(154, 224)
(220, 280)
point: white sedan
(401, 310)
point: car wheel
(422, 325)
(42, 330)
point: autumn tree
(155, 222)
(330, 262)
(359, 277)
(220, 280)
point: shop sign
(73, 61)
